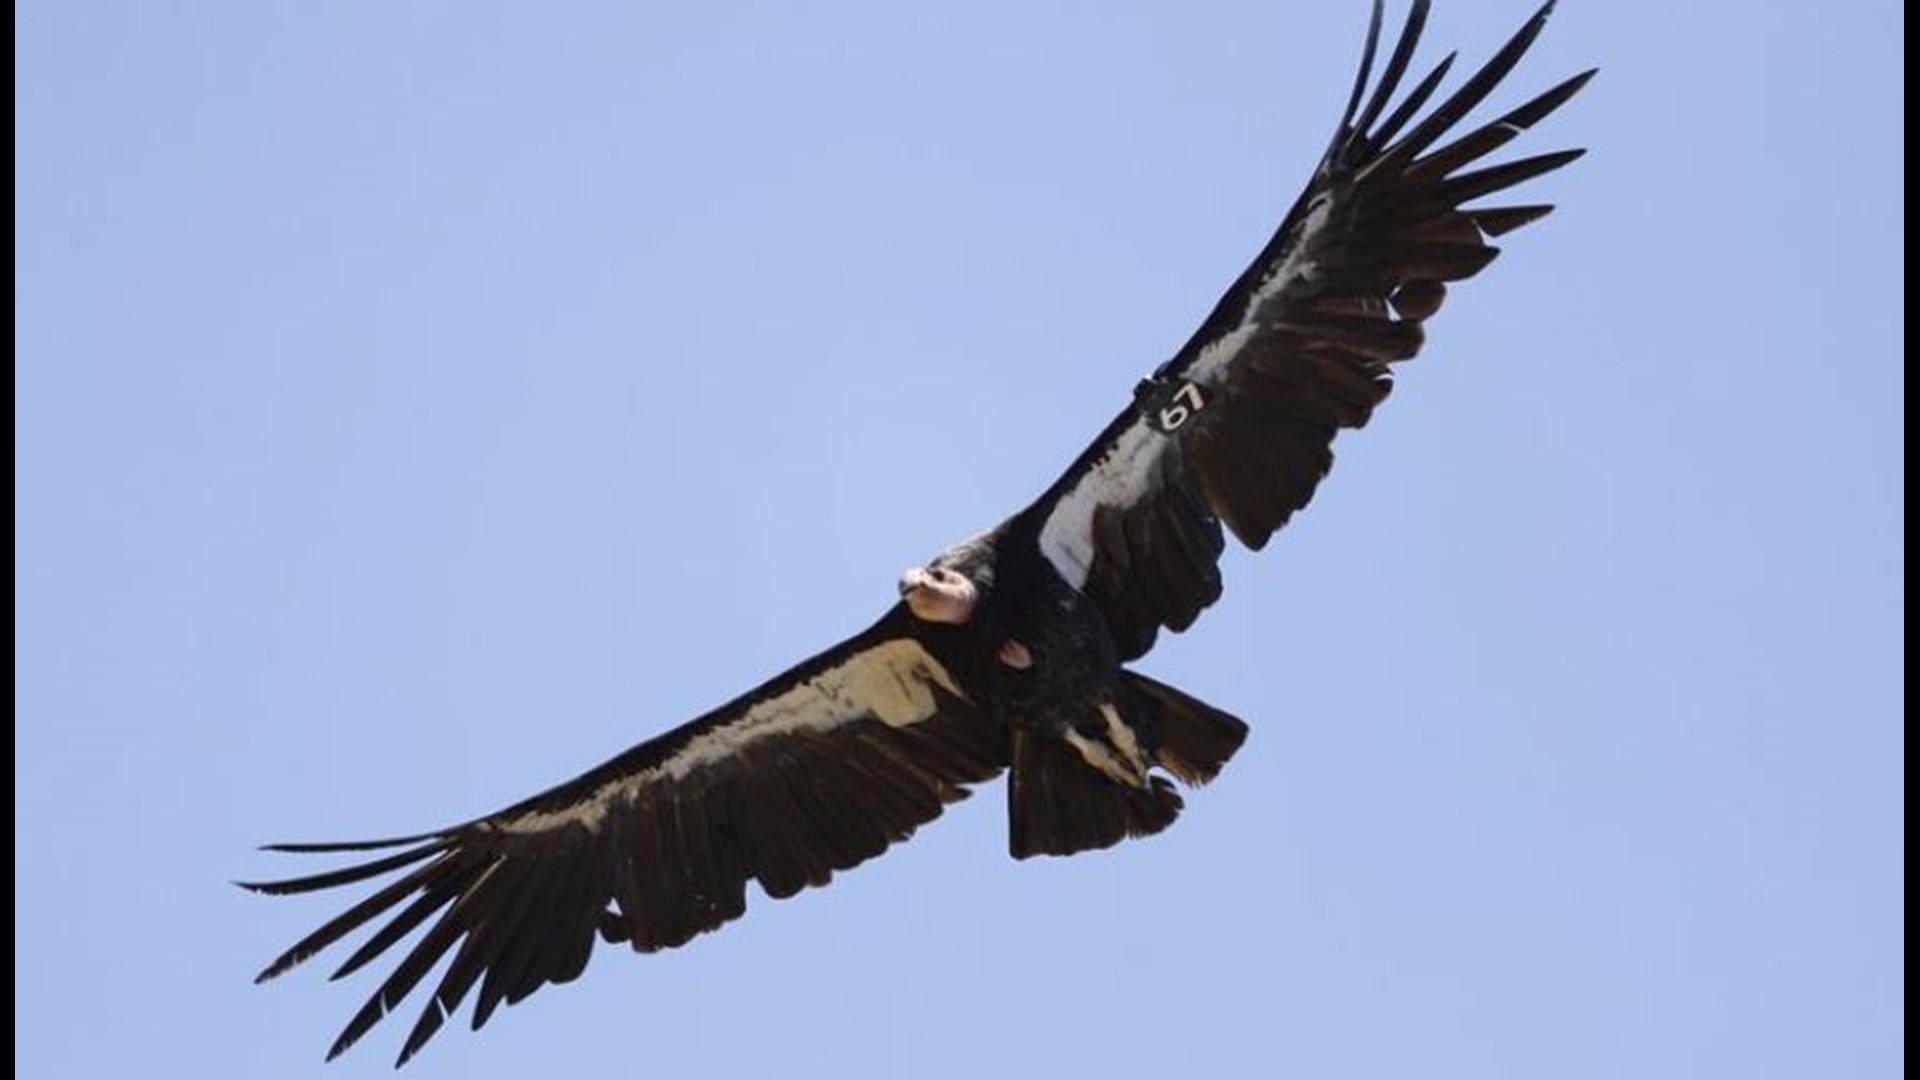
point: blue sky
(418, 403)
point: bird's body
(1025, 606)
(1036, 656)
(1011, 651)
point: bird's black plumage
(1008, 650)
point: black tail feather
(1059, 804)
(1190, 738)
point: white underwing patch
(1210, 368)
(1122, 476)
(1127, 472)
(892, 682)
(1298, 263)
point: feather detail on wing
(1238, 427)
(818, 770)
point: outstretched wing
(818, 770)
(1238, 427)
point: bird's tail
(1077, 792)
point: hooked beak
(943, 596)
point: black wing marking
(818, 770)
(1238, 427)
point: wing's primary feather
(818, 770)
(1237, 429)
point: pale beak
(947, 598)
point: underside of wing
(818, 770)
(1238, 428)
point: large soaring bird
(1006, 651)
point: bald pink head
(939, 595)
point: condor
(1008, 651)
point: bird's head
(939, 594)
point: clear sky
(417, 403)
